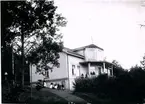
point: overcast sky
(113, 25)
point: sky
(110, 24)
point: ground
(52, 96)
(49, 96)
(41, 97)
(67, 95)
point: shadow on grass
(49, 101)
(41, 97)
(95, 100)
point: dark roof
(71, 52)
(88, 46)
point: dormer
(91, 52)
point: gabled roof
(88, 46)
(71, 52)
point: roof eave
(82, 48)
(76, 55)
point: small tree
(116, 63)
(117, 69)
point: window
(111, 72)
(103, 70)
(73, 69)
(99, 68)
(51, 70)
(78, 67)
(78, 70)
(47, 73)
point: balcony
(96, 68)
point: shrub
(89, 84)
(82, 84)
(128, 87)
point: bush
(13, 94)
(126, 87)
(89, 84)
(82, 85)
(39, 85)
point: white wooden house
(84, 61)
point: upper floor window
(91, 54)
(73, 69)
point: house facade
(87, 61)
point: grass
(93, 99)
(90, 98)
(41, 97)
(29, 96)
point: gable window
(73, 69)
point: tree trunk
(22, 40)
(13, 69)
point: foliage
(39, 85)
(143, 62)
(90, 84)
(38, 23)
(128, 87)
(116, 63)
(117, 69)
(6, 62)
(11, 93)
(83, 84)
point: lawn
(93, 99)
(41, 97)
(31, 96)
